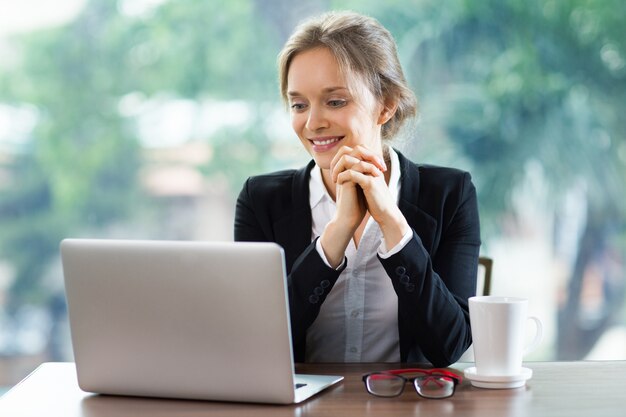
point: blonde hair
(362, 46)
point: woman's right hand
(351, 206)
(351, 203)
(351, 210)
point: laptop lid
(197, 320)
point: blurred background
(142, 119)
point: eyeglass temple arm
(434, 371)
(430, 375)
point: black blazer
(440, 262)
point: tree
(79, 169)
(535, 82)
(64, 181)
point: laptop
(174, 319)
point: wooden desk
(568, 389)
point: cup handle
(538, 336)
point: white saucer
(497, 381)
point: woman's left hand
(366, 169)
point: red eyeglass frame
(425, 373)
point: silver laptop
(195, 320)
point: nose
(316, 119)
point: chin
(323, 161)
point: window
(142, 119)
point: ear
(388, 110)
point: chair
(487, 264)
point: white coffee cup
(499, 330)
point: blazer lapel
(293, 229)
(424, 224)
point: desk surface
(557, 389)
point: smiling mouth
(325, 141)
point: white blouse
(358, 321)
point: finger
(364, 153)
(363, 180)
(366, 168)
(350, 158)
(344, 150)
(344, 163)
(377, 197)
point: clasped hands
(360, 188)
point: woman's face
(324, 113)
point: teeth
(325, 142)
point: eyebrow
(325, 90)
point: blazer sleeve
(433, 288)
(259, 218)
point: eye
(337, 103)
(298, 106)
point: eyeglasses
(429, 383)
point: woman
(381, 254)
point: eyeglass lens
(434, 386)
(385, 385)
(430, 386)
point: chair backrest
(487, 265)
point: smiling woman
(373, 274)
(324, 114)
